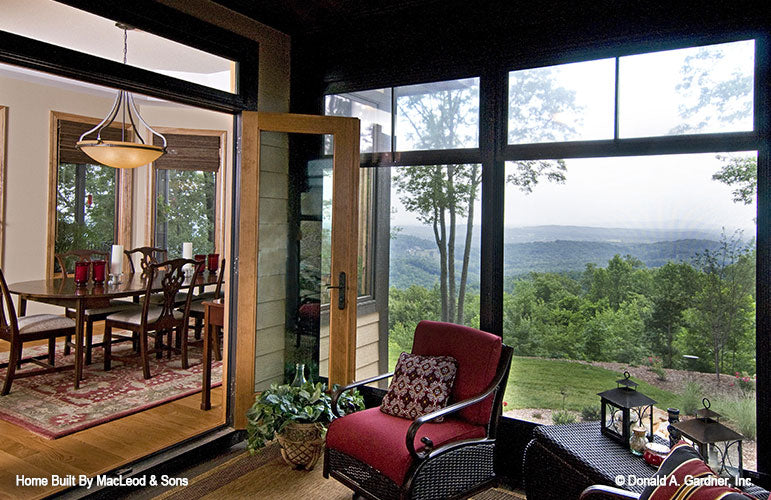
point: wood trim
(3, 153)
(342, 355)
(248, 245)
(125, 198)
(219, 211)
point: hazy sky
(672, 191)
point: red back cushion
(477, 354)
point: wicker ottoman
(562, 460)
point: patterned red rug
(50, 406)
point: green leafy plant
(590, 413)
(281, 405)
(562, 417)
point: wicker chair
(380, 456)
(156, 320)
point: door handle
(340, 290)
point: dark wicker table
(562, 460)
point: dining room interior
(300, 142)
(58, 200)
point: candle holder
(214, 262)
(81, 273)
(98, 267)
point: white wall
(30, 104)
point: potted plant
(297, 418)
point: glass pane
(645, 264)
(373, 108)
(434, 254)
(85, 32)
(441, 115)
(570, 102)
(366, 209)
(695, 90)
(85, 207)
(185, 210)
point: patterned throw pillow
(421, 385)
(687, 476)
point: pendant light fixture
(123, 153)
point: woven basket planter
(302, 444)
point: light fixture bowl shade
(120, 154)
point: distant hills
(415, 257)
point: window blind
(189, 152)
(68, 134)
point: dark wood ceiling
(305, 17)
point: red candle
(81, 273)
(214, 262)
(99, 266)
(201, 262)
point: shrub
(590, 413)
(690, 399)
(562, 417)
(745, 382)
(661, 374)
(741, 411)
(538, 415)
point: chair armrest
(599, 491)
(354, 385)
(453, 408)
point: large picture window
(86, 195)
(187, 182)
(633, 251)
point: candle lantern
(619, 405)
(720, 446)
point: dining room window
(187, 192)
(86, 193)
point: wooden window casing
(63, 136)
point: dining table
(64, 292)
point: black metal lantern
(714, 441)
(616, 406)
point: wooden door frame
(345, 175)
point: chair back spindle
(147, 257)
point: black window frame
(494, 151)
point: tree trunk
(467, 244)
(451, 243)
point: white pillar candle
(187, 250)
(116, 260)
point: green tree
(185, 211)
(724, 307)
(674, 285)
(85, 207)
(441, 195)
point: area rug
(50, 406)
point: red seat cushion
(477, 354)
(379, 440)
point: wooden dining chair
(147, 256)
(197, 312)
(156, 320)
(91, 315)
(18, 331)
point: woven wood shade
(69, 132)
(189, 152)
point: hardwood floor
(101, 448)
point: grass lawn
(536, 383)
